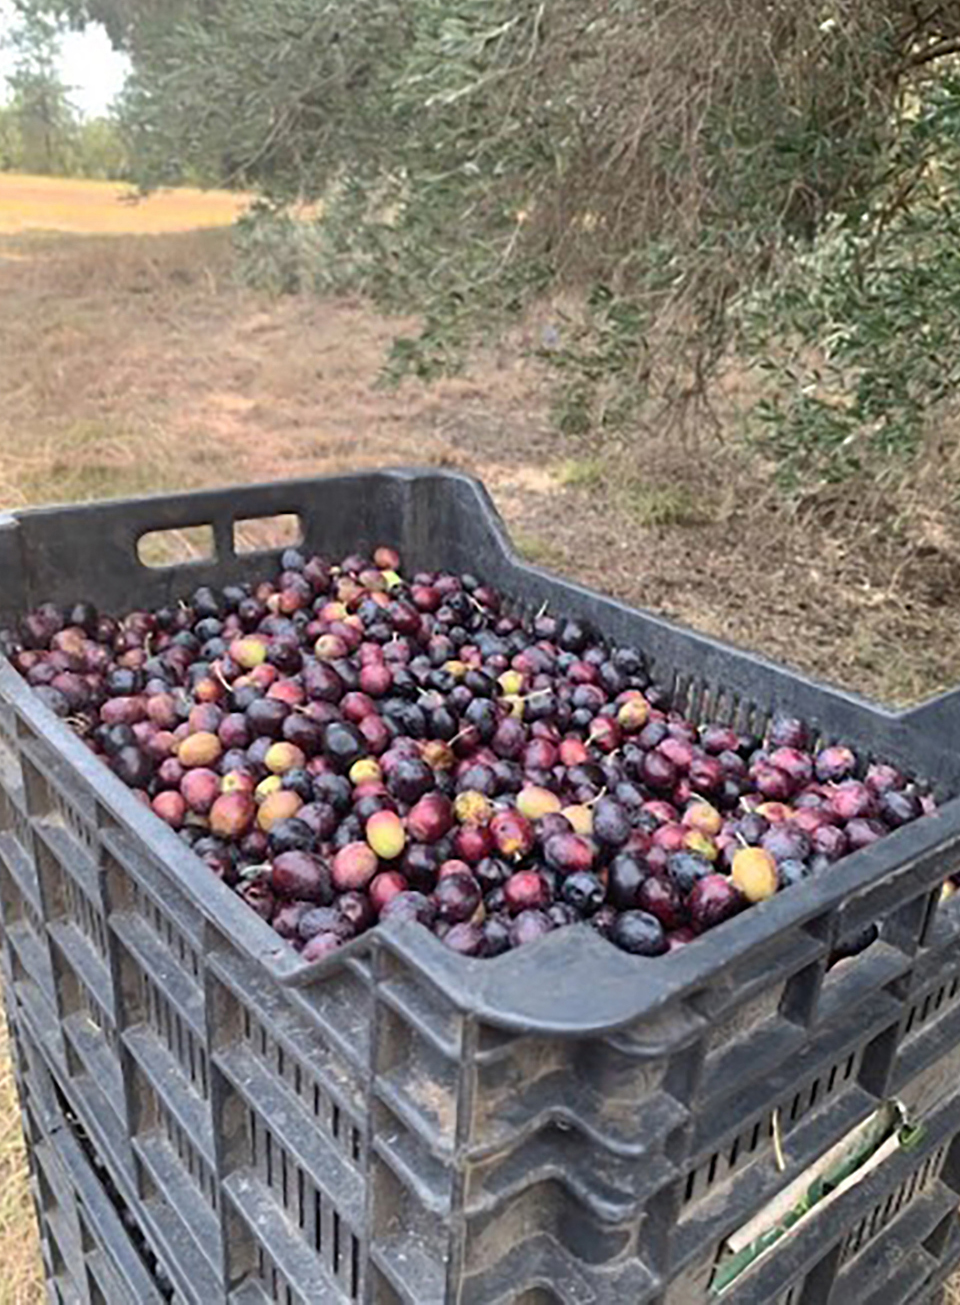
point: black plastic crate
(399, 1123)
(93, 1247)
(55, 1112)
(894, 1239)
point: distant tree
(100, 150)
(40, 129)
(45, 121)
(10, 145)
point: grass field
(132, 362)
(106, 208)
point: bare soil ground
(135, 363)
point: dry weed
(20, 1278)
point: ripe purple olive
(834, 764)
(685, 868)
(638, 933)
(658, 771)
(864, 832)
(706, 774)
(787, 732)
(528, 927)
(798, 765)
(527, 890)
(611, 825)
(568, 853)
(410, 779)
(342, 745)
(625, 875)
(787, 842)
(456, 898)
(410, 907)
(899, 808)
(496, 936)
(473, 842)
(430, 818)
(290, 835)
(830, 841)
(465, 938)
(717, 739)
(881, 778)
(265, 718)
(662, 899)
(772, 783)
(751, 828)
(583, 891)
(852, 800)
(302, 875)
(712, 900)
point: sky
(89, 66)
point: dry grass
(107, 208)
(20, 1281)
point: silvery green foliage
(858, 334)
(652, 162)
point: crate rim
(571, 982)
